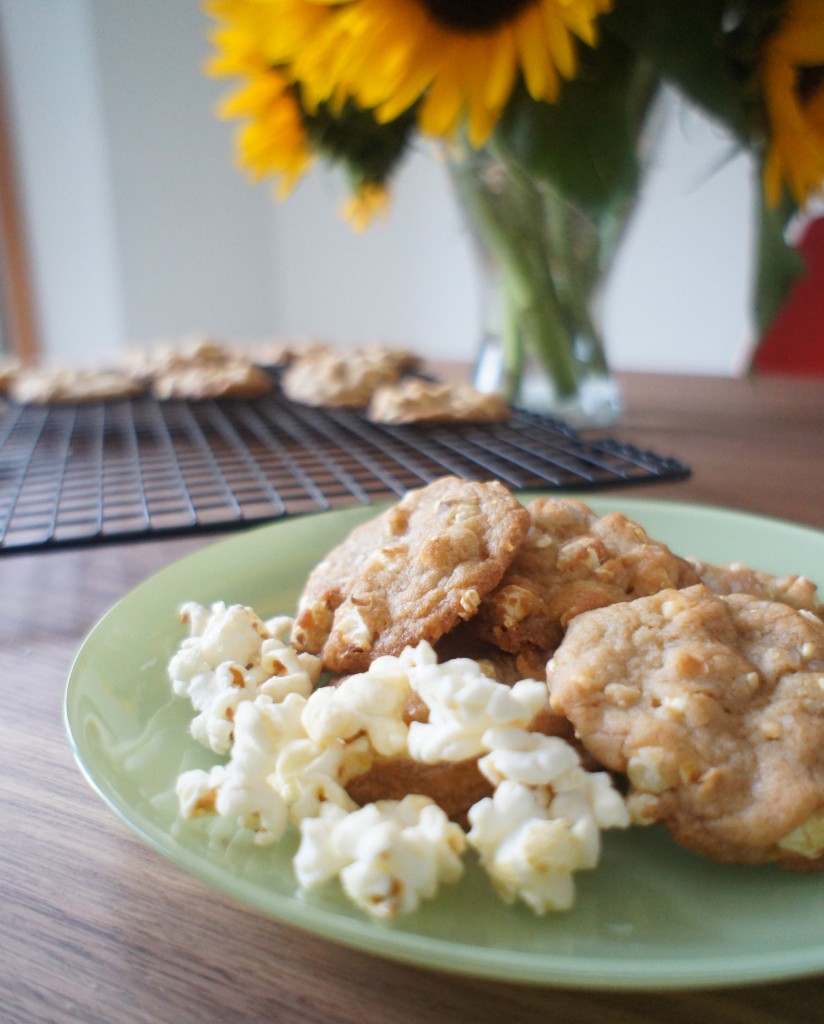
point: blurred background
(135, 224)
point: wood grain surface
(97, 928)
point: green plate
(651, 916)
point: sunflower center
(810, 81)
(474, 15)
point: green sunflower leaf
(587, 145)
(726, 33)
(778, 265)
(370, 151)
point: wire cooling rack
(139, 468)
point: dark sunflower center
(474, 15)
(810, 82)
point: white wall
(680, 294)
(194, 239)
(140, 225)
(409, 277)
(55, 104)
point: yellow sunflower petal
(369, 201)
(388, 55)
(559, 42)
(540, 76)
(795, 155)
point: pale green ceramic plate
(651, 916)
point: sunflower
(365, 204)
(249, 43)
(792, 75)
(458, 59)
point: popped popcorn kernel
(241, 788)
(807, 839)
(371, 702)
(463, 703)
(231, 656)
(389, 855)
(544, 820)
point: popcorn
(230, 657)
(293, 747)
(389, 855)
(463, 703)
(371, 702)
(308, 775)
(526, 757)
(543, 821)
(241, 788)
(808, 839)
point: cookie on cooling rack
(231, 378)
(414, 400)
(148, 362)
(51, 386)
(336, 378)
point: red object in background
(794, 343)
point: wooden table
(97, 928)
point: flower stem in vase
(543, 260)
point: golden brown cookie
(570, 562)
(414, 400)
(454, 785)
(45, 386)
(411, 574)
(148, 362)
(714, 708)
(735, 578)
(335, 378)
(230, 378)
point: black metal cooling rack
(138, 468)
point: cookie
(413, 400)
(231, 378)
(572, 561)
(713, 707)
(45, 386)
(343, 379)
(454, 785)
(735, 578)
(411, 574)
(277, 353)
(148, 362)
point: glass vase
(543, 260)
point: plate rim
(448, 955)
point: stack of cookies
(699, 687)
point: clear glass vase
(543, 260)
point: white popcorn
(808, 839)
(241, 789)
(526, 757)
(293, 748)
(371, 702)
(526, 855)
(307, 775)
(463, 703)
(388, 855)
(543, 821)
(230, 658)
